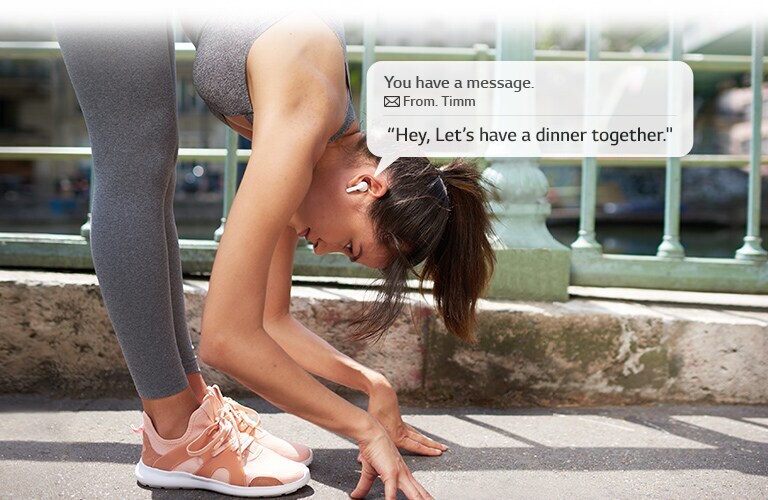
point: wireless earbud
(361, 186)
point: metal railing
(746, 272)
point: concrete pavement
(65, 448)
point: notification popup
(529, 109)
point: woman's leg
(183, 340)
(124, 79)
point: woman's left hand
(383, 405)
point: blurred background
(38, 108)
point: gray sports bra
(219, 68)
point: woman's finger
(410, 487)
(418, 436)
(367, 477)
(390, 488)
(410, 444)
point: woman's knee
(135, 159)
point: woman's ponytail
(462, 264)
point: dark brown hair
(441, 216)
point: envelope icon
(391, 101)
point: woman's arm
(278, 175)
(233, 335)
(309, 350)
(317, 356)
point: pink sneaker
(214, 455)
(249, 421)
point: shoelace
(225, 435)
(241, 413)
(225, 425)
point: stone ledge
(55, 337)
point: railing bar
(752, 249)
(230, 179)
(670, 246)
(85, 229)
(586, 236)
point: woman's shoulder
(301, 32)
(300, 45)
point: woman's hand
(380, 457)
(383, 405)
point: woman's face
(338, 221)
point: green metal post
(85, 229)
(670, 246)
(230, 180)
(752, 249)
(587, 240)
(531, 264)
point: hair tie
(442, 183)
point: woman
(282, 82)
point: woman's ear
(377, 186)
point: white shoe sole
(158, 478)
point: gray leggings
(124, 78)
